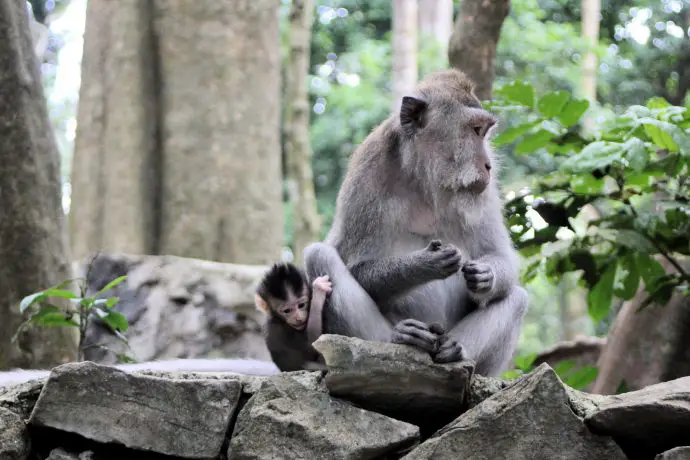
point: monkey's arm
(315, 322)
(391, 277)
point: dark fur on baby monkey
(294, 310)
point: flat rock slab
(396, 380)
(184, 418)
(286, 420)
(678, 453)
(647, 421)
(14, 437)
(531, 419)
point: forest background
(222, 132)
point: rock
(649, 421)
(61, 454)
(21, 398)
(397, 380)
(179, 308)
(584, 404)
(483, 387)
(184, 418)
(678, 453)
(531, 419)
(286, 420)
(14, 437)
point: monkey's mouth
(300, 326)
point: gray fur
(405, 187)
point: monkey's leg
(488, 335)
(350, 311)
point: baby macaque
(295, 313)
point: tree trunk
(646, 347)
(590, 32)
(33, 243)
(306, 221)
(472, 47)
(178, 142)
(436, 23)
(405, 73)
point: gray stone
(286, 420)
(678, 453)
(397, 380)
(184, 418)
(14, 437)
(647, 421)
(483, 387)
(531, 419)
(21, 398)
(61, 454)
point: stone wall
(375, 401)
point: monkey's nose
(487, 166)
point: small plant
(75, 312)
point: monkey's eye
(478, 130)
(302, 306)
(286, 311)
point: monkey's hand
(322, 284)
(448, 351)
(416, 333)
(442, 260)
(479, 277)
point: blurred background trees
(176, 145)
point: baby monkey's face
(295, 309)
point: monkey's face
(294, 310)
(449, 132)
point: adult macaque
(418, 238)
(294, 316)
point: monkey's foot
(416, 333)
(448, 351)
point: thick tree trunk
(436, 23)
(306, 221)
(648, 346)
(178, 141)
(405, 73)
(116, 167)
(473, 44)
(33, 243)
(590, 32)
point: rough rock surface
(530, 419)
(396, 380)
(21, 398)
(14, 438)
(647, 421)
(303, 424)
(185, 418)
(678, 453)
(179, 308)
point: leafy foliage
(74, 310)
(577, 377)
(617, 203)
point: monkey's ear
(411, 114)
(261, 304)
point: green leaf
(587, 184)
(580, 378)
(600, 296)
(661, 133)
(56, 319)
(111, 302)
(552, 104)
(622, 387)
(511, 374)
(510, 134)
(534, 141)
(636, 154)
(125, 358)
(596, 155)
(45, 310)
(30, 300)
(573, 111)
(650, 269)
(518, 92)
(627, 277)
(116, 321)
(111, 285)
(658, 103)
(60, 293)
(563, 367)
(524, 362)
